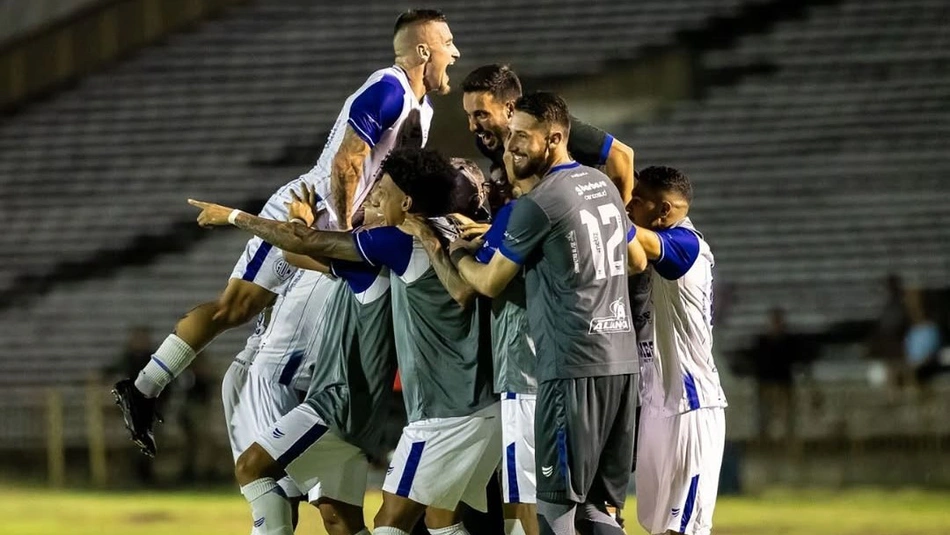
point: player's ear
(423, 50)
(406, 203)
(510, 108)
(665, 208)
(555, 139)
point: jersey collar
(569, 165)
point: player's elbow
(464, 295)
(637, 264)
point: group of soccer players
(528, 316)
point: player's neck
(416, 77)
(561, 158)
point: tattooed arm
(345, 175)
(291, 237)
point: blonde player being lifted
(682, 427)
(390, 109)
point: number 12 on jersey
(609, 254)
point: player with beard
(488, 96)
(571, 236)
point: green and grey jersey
(352, 382)
(570, 233)
(444, 363)
(512, 346)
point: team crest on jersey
(283, 270)
(618, 322)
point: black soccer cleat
(139, 414)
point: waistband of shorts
(514, 395)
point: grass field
(777, 512)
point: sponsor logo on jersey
(547, 471)
(581, 189)
(389, 470)
(617, 322)
(572, 240)
(283, 270)
(675, 512)
(259, 522)
(277, 433)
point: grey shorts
(585, 429)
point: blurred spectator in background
(197, 386)
(921, 343)
(887, 340)
(773, 356)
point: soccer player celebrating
(391, 108)
(488, 96)
(682, 427)
(451, 446)
(571, 236)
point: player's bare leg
(257, 474)
(397, 515)
(521, 519)
(444, 522)
(341, 518)
(239, 302)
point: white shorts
(440, 462)
(262, 263)
(678, 462)
(252, 403)
(313, 455)
(518, 479)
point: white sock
(269, 507)
(513, 527)
(388, 530)
(169, 360)
(457, 529)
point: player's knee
(254, 464)
(235, 308)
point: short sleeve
(495, 236)
(376, 109)
(527, 228)
(679, 249)
(588, 144)
(385, 246)
(358, 275)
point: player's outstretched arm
(619, 167)
(345, 175)
(458, 288)
(291, 237)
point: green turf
(777, 512)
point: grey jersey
(352, 382)
(570, 232)
(444, 362)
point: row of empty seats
(815, 181)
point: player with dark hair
(682, 427)
(390, 109)
(488, 95)
(451, 446)
(576, 245)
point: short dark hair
(496, 79)
(546, 107)
(662, 178)
(425, 176)
(415, 16)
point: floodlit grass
(777, 512)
